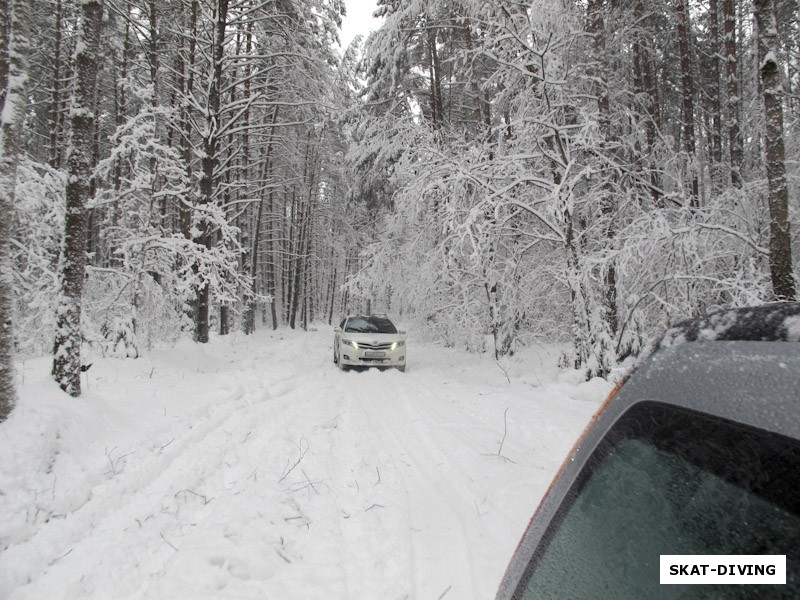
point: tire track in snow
(114, 504)
(438, 535)
(172, 482)
(377, 562)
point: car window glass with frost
(370, 325)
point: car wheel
(402, 369)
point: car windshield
(370, 325)
(670, 481)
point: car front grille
(383, 346)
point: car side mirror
(337, 329)
(401, 332)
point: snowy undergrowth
(253, 468)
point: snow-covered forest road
(253, 468)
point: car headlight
(399, 344)
(352, 343)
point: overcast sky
(358, 20)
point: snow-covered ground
(253, 468)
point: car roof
(726, 363)
(734, 364)
(370, 317)
(775, 322)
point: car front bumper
(352, 357)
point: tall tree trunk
(780, 244)
(308, 284)
(249, 319)
(715, 93)
(228, 193)
(732, 114)
(687, 95)
(289, 258)
(649, 90)
(186, 86)
(67, 346)
(332, 291)
(12, 108)
(55, 107)
(474, 87)
(608, 208)
(120, 100)
(249, 315)
(298, 274)
(271, 274)
(156, 216)
(437, 107)
(209, 162)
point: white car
(369, 341)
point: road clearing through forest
(253, 468)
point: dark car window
(370, 325)
(667, 480)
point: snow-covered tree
(79, 155)
(13, 46)
(780, 243)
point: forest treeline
(497, 172)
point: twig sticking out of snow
(301, 455)
(505, 432)
(167, 542)
(502, 441)
(311, 483)
(161, 449)
(203, 497)
(115, 470)
(504, 370)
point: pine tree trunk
(332, 294)
(157, 214)
(735, 145)
(715, 97)
(687, 95)
(12, 106)
(346, 291)
(474, 87)
(55, 107)
(298, 271)
(249, 319)
(249, 313)
(780, 246)
(67, 346)
(249, 316)
(209, 162)
(186, 84)
(648, 89)
(291, 259)
(608, 208)
(435, 80)
(271, 274)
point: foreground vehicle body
(697, 453)
(369, 341)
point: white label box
(741, 569)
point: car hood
(373, 337)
